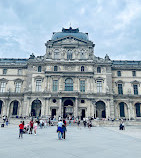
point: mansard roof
(126, 62)
(70, 32)
(13, 61)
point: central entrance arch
(1, 106)
(36, 108)
(100, 109)
(14, 108)
(68, 108)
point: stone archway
(68, 108)
(1, 106)
(100, 109)
(138, 109)
(14, 108)
(36, 108)
(123, 110)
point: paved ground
(80, 143)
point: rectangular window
(19, 71)
(69, 55)
(38, 85)
(120, 90)
(39, 68)
(82, 86)
(135, 89)
(55, 85)
(18, 87)
(134, 73)
(118, 73)
(2, 87)
(4, 71)
(99, 86)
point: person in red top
(21, 127)
(31, 126)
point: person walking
(6, 121)
(78, 122)
(35, 127)
(64, 129)
(31, 126)
(59, 129)
(21, 127)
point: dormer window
(39, 68)
(118, 73)
(55, 68)
(82, 68)
(19, 71)
(134, 73)
(4, 71)
(98, 69)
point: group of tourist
(32, 125)
(5, 121)
(25, 128)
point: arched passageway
(14, 108)
(1, 106)
(36, 108)
(123, 111)
(138, 109)
(68, 108)
(100, 109)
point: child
(35, 127)
(21, 127)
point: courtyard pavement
(97, 142)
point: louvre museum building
(69, 80)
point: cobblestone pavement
(81, 142)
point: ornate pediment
(135, 82)
(18, 80)
(38, 78)
(3, 80)
(119, 82)
(70, 40)
(99, 79)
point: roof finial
(70, 26)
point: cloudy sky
(113, 25)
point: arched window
(98, 69)
(122, 113)
(82, 68)
(55, 68)
(69, 55)
(69, 84)
(39, 68)
(1, 102)
(15, 108)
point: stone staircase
(97, 123)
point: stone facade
(70, 80)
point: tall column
(132, 110)
(46, 107)
(7, 107)
(43, 108)
(28, 108)
(76, 108)
(60, 107)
